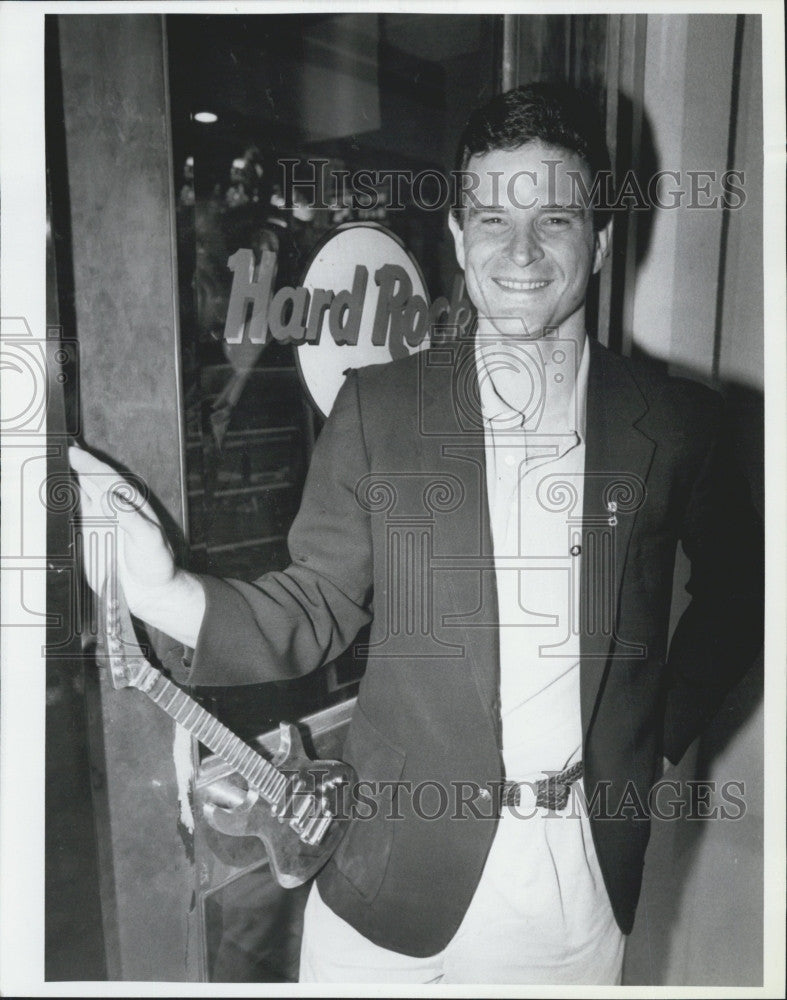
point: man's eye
(558, 221)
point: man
(506, 513)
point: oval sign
(374, 304)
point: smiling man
(505, 512)
(530, 257)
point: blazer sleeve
(287, 623)
(721, 631)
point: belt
(551, 792)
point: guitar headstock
(118, 649)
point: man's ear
(459, 239)
(602, 240)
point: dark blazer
(394, 528)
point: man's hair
(554, 114)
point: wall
(116, 125)
(696, 303)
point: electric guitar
(291, 803)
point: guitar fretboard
(263, 776)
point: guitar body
(294, 805)
(314, 786)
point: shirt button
(575, 550)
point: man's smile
(520, 286)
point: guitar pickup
(317, 821)
(306, 805)
(314, 833)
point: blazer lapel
(452, 440)
(617, 459)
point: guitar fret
(191, 705)
(155, 694)
(211, 728)
(166, 690)
(175, 693)
(228, 738)
(193, 715)
(227, 748)
(244, 763)
(247, 771)
(259, 785)
(203, 722)
(260, 777)
(174, 713)
(209, 737)
(267, 769)
(210, 740)
(269, 783)
(257, 771)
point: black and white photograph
(393, 490)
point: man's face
(528, 254)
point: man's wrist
(178, 608)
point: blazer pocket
(362, 856)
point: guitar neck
(267, 779)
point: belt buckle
(551, 792)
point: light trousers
(540, 915)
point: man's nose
(525, 247)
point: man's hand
(156, 590)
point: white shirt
(535, 462)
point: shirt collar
(529, 411)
